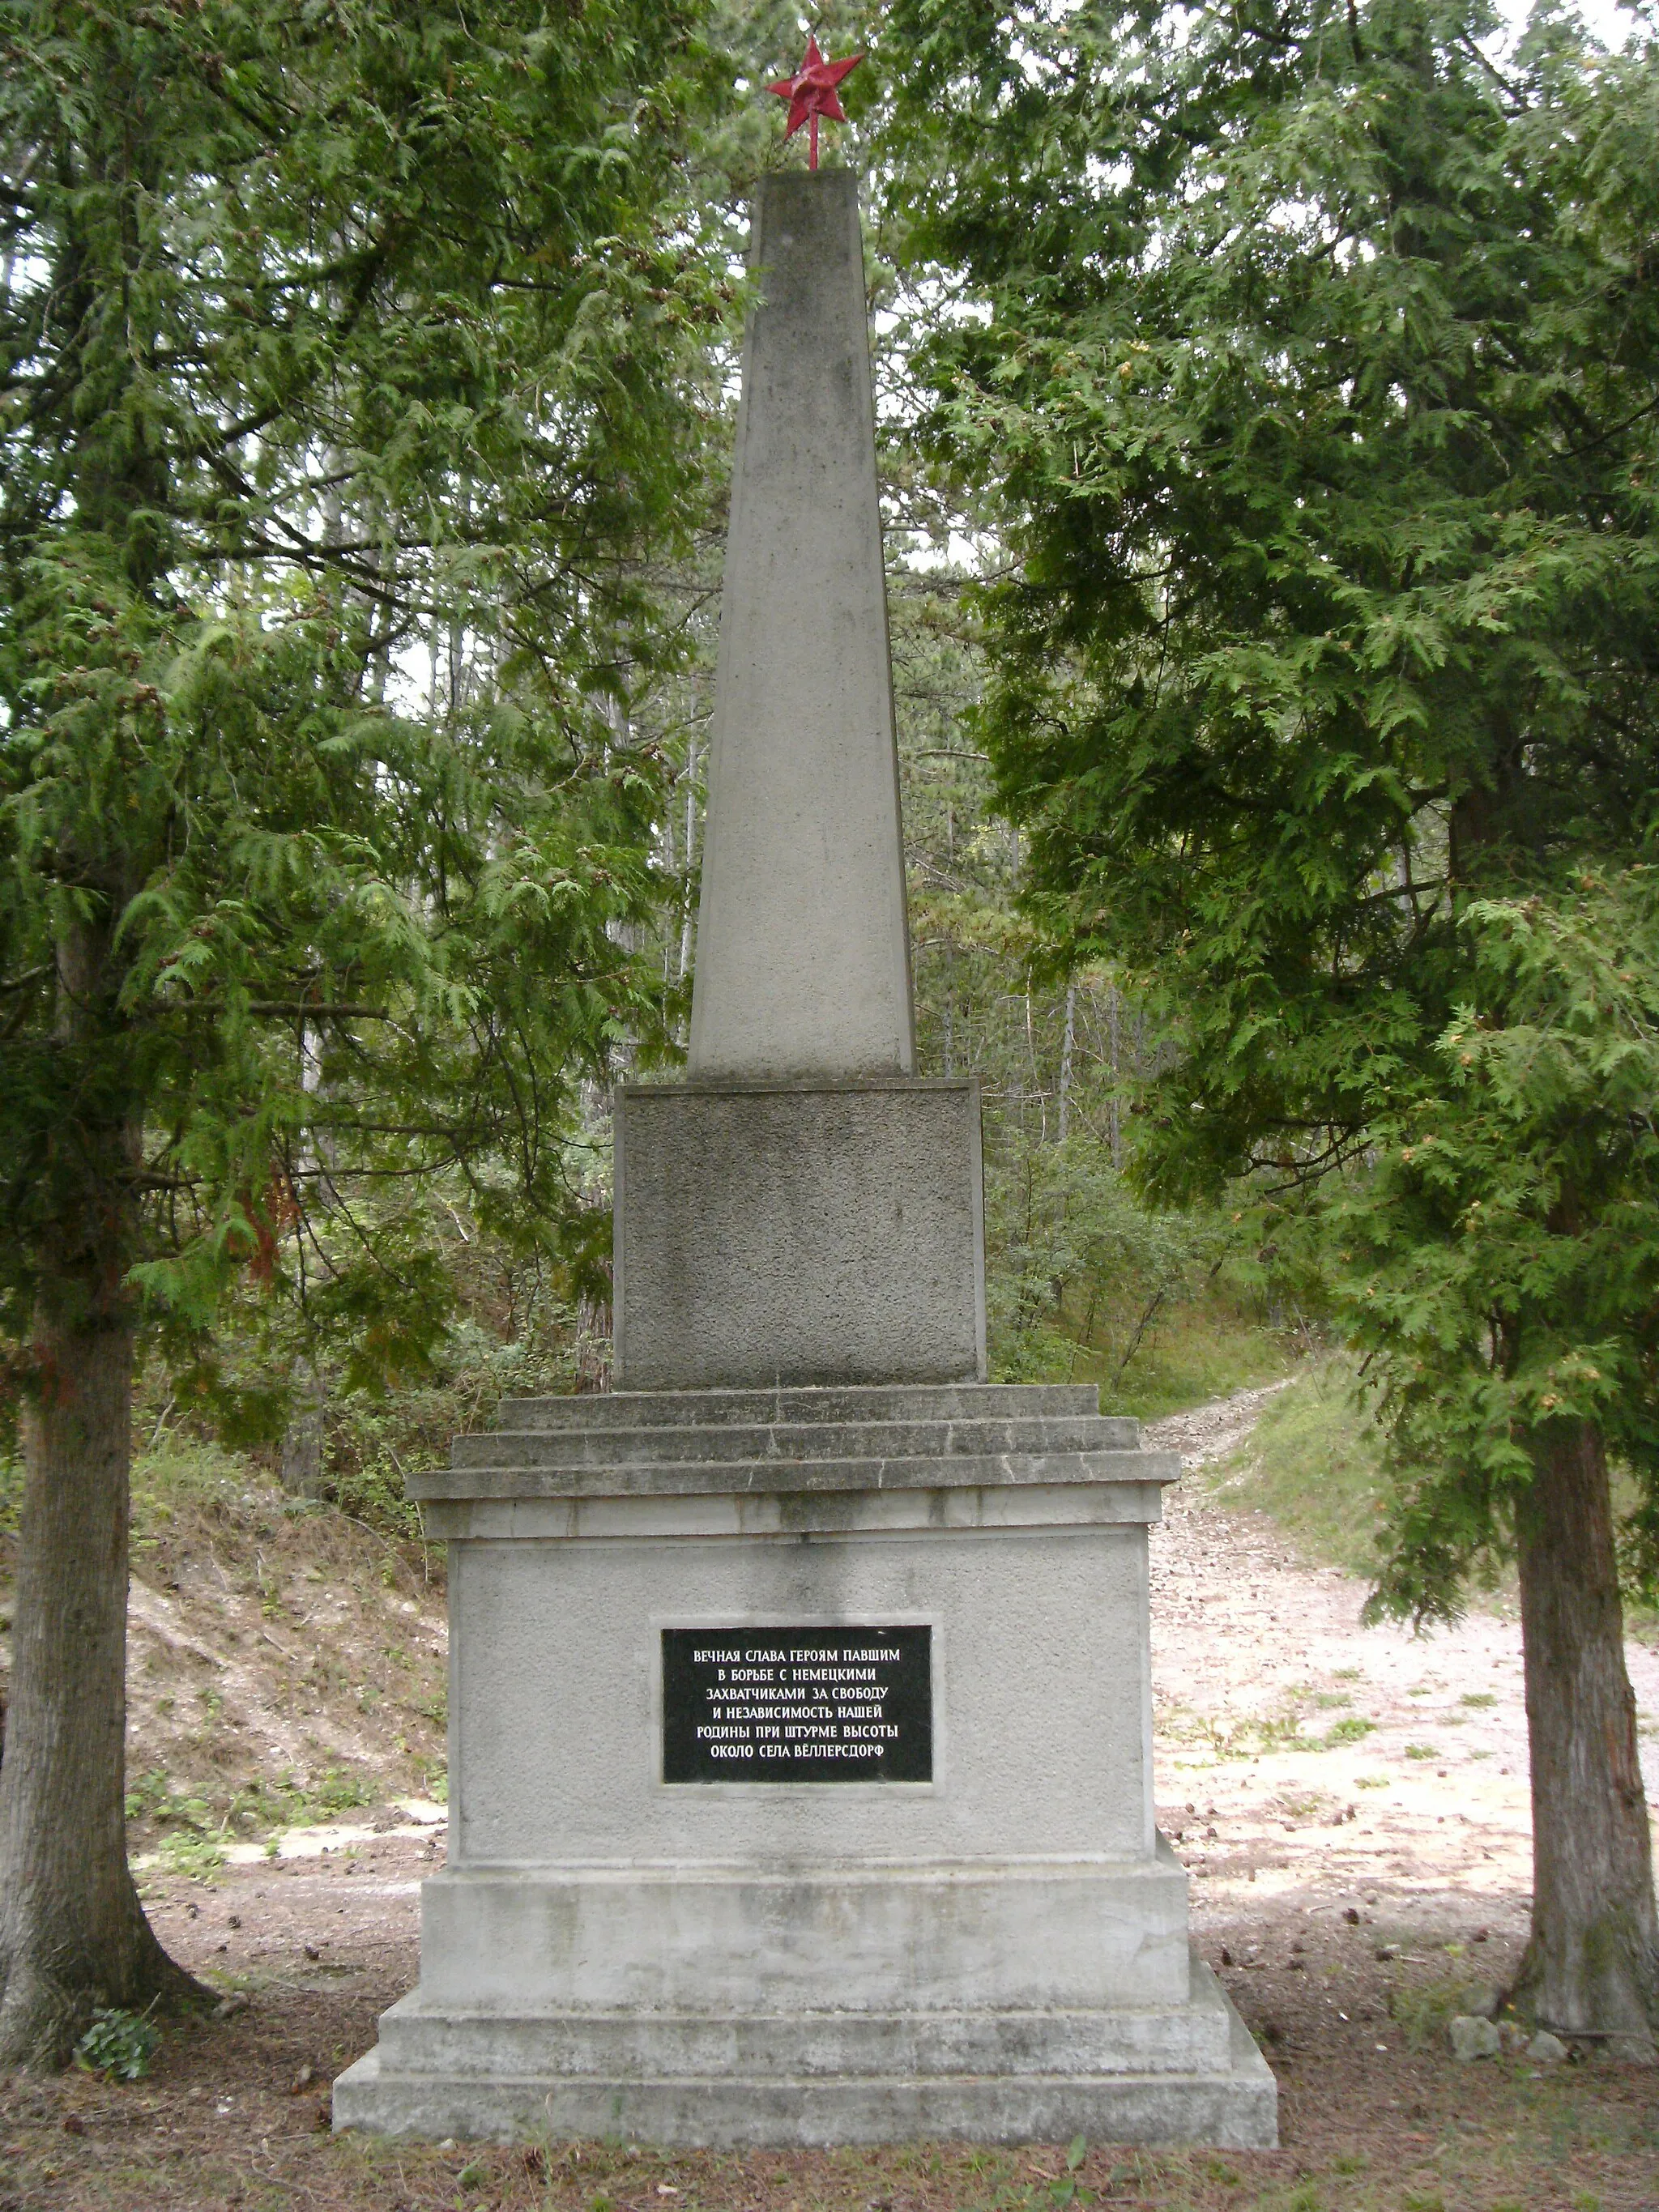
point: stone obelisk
(800, 1772)
(801, 1209)
(803, 950)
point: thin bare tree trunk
(1116, 1137)
(1066, 1060)
(1593, 1961)
(686, 917)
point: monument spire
(803, 966)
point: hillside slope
(285, 1663)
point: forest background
(1161, 1305)
(368, 1193)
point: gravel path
(1259, 1658)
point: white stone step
(790, 1441)
(1229, 2102)
(659, 1478)
(662, 2046)
(885, 1402)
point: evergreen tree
(1316, 356)
(350, 356)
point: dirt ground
(1333, 1760)
(1351, 1892)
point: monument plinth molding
(800, 1688)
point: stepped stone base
(994, 1949)
(1153, 2074)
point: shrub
(118, 2045)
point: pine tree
(1316, 363)
(351, 357)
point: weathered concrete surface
(1041, 1687)
(971, 1404)
(999, 1952)
(708, 1942)
(803, 951)
(1152, 2078)
(778, 1234)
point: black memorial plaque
(797, 1704)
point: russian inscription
(797, 1704)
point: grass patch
(1207, 1350)
(195, 1831)
(1423, 2010)
(1354, 1729)
(196, 1858)
(1286, 1728)
(263, 1802)
(1190, 1353)
(1314, 1463)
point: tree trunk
(72, 1932)
(1593, 1962)
(301, 1467)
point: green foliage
(1354, 1729)
(374, 1443)
(1313, 375)
(178, 1471)
(1286, 1727)
(1189, 1354)
(118, 2046)
(152, 1797)
(358, 360)
(190, 1855)
(11, 1494)
(1083, 1280)
(1501, 1260)
(1066, 2189)
(195, 1831)
(1061, 1225)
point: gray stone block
(707, 1940)
(998, 1954)
(420, 2037)
(1471, 2037)
(772, 1234)
(789, 1447)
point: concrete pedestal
(794, 1233)
(996, 1953)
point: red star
(812, 93)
